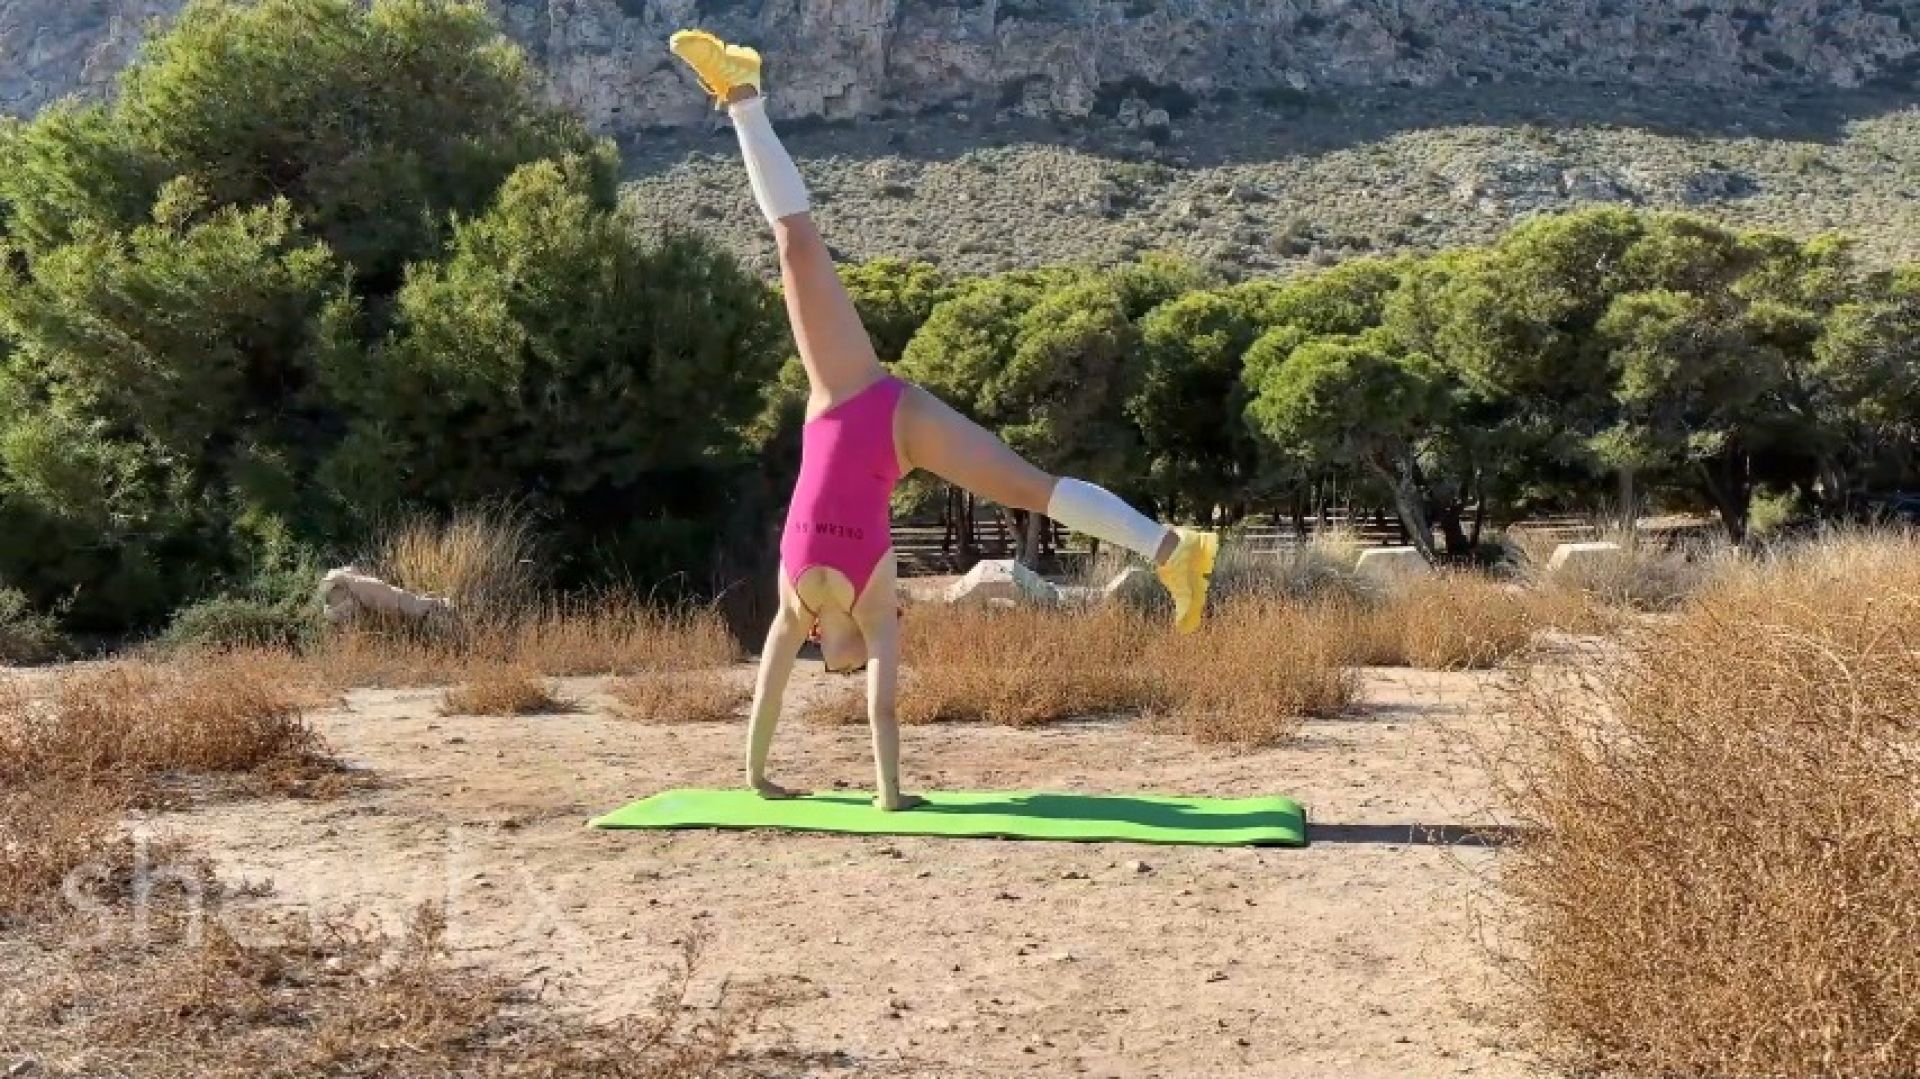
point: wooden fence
(932, 549)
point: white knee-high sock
(776, 183)
(1098, 512)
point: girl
(866, 429)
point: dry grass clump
(237, 713)
(1363, 631)
(606, 635)
(94, 741)
(504, 691)
(50, 827)
(1449, 621)
(1460, 621)
(1252, 674)
(1554, 605)
(488, 564)
(844, 707)
(1257, 668)
(618, 635)
(1319, 568)
(244, 999)
(679, 697)
(1651, 573)
(484, 561)
(1727, 879)
(1024, 666)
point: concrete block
(1136, 585)
(1391, 565)
(1005, 581)
(1576, 557)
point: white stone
(1135, 584)
(346, 592)
(1391, 565)
(1579, 556)
(1002, 581)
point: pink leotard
(841, 515)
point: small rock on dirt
(1138, 866)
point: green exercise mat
(1086, 818)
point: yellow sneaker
(1187, 575)
(719, 66)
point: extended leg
(839, 357)
(963, 453)
(956, 449)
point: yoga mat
(1085, 818)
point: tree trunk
(1629, 501)
(1407, 504)
(1031, 527)
(949, 520)
(1731, 495)
(968, 550)
(1835, 500)
(1456, 537)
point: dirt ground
(1362, 955)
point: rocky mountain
(1256, 135)
(843, 59)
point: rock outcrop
(844, 59)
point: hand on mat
(775, 792)
(899, 803)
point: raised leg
(956, 449)
(953, 447)
(833, 344)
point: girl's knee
(798, 241)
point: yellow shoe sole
(1195, 573)
(720, 67)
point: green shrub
(26, 635)
(235, 622)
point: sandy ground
(1362, 955)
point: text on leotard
(823, 528)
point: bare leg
(877, 613)
(777, 657)
(954, 448)
(833, 344)
(883, 687)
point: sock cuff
(755, 105)
(1095, 511)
